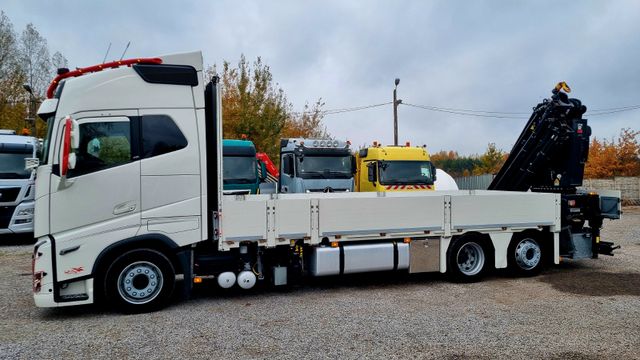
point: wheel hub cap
(140, 282)
(528, 254)
(470, 259)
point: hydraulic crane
(549, 156)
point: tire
(525, 256)
(467, 259)
(139, 281)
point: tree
(491, 161)
(610, 158)
(307, 124)
(454, 164)
(256, 107)
(12, 95)
(8, 48)
(35, 60)
(59, 61)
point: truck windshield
(239, 170)
(324, 167)
(405, 172)
(12, 164)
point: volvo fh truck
(129, 195)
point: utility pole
(30, 121)
(396, 102)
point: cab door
(101, 195)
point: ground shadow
(16, 239)
(576, 279)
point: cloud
(489, 55)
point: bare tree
(8, 48)
(59, 61)
(35, 60)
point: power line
(498, 115)
(343, 110)
(464, 112)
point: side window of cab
(103, 144)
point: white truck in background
(129, 194)
(16, 184)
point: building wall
(629, 186)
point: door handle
(124, 208)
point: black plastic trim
(135, 123)
(69, 250)
(210, 118)
(341, 259)
(167, 74)
(136, 239)
(395, 256)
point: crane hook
(562, 86)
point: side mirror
(31, 163)
(433, 172)
(354, 165)
(371, 172)
(70, 141)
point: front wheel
(139, 281)
(525, 256)
(467, 260)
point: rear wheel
(525, 256)
(139, 281)
(467, 260)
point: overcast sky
(485, 55)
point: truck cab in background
(316, 165)
(17, 191)
(394, 168)
(243, 172)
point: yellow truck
(394, 168)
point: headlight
(24, 212)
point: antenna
(107, 54)
(125, 50)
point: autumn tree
(491, 161)
(454, 164)
(12, 95)
(253, 105)
(614, 158)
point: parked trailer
(118, 226)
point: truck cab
(394, 168)
(16, 184)
(316, 165)
(243, 173)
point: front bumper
(49, 293)
(21, 223)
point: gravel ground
(577, 310)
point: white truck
(129, 194)
(16, 183)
